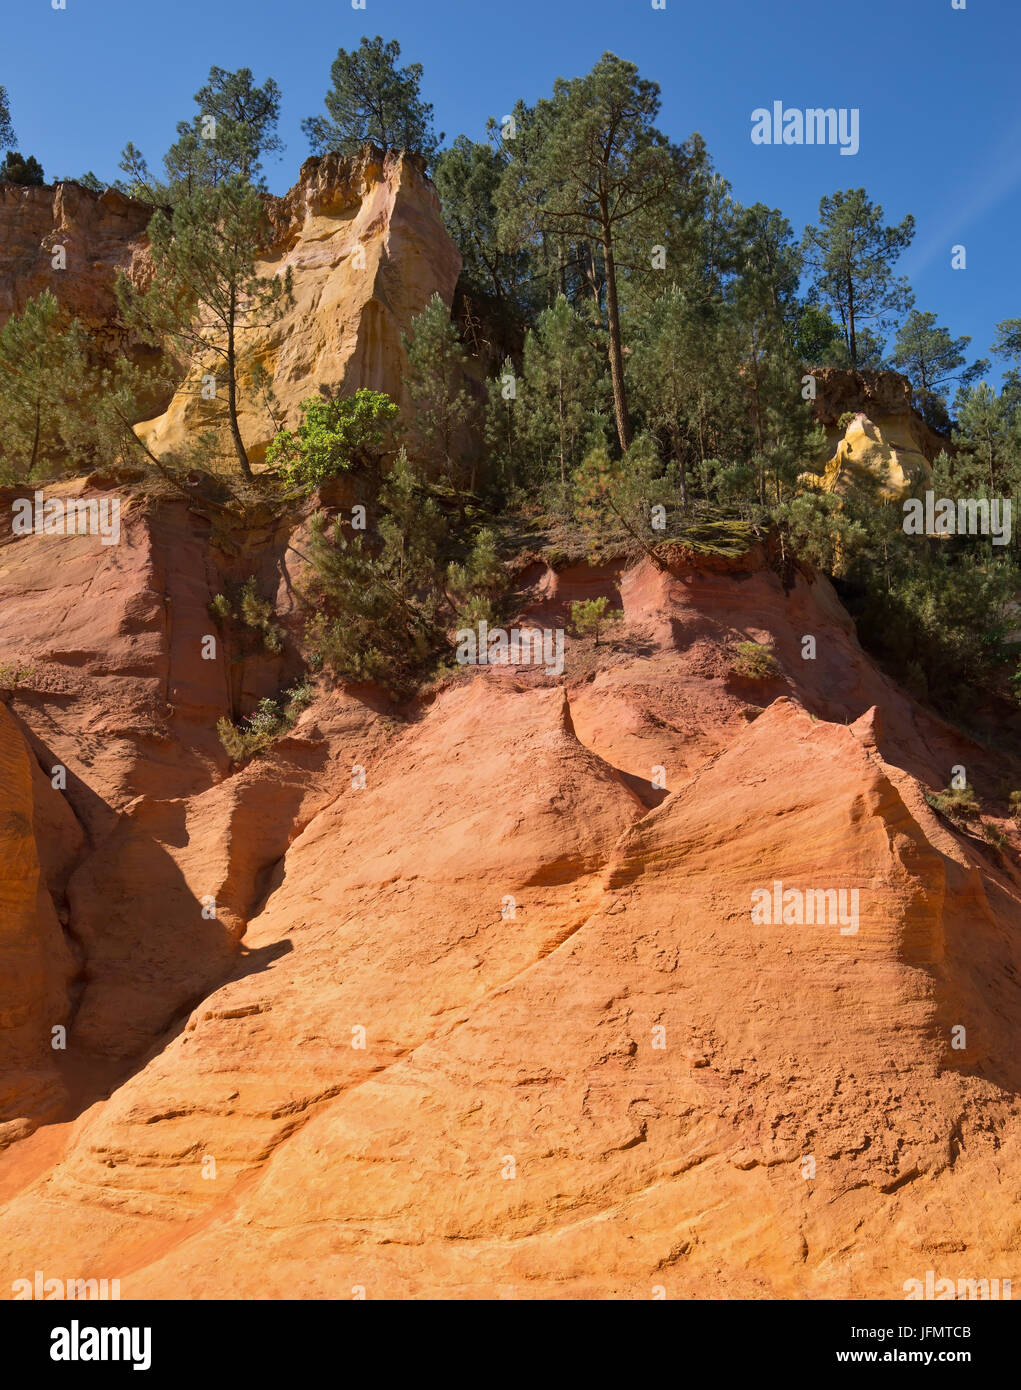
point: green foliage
(562, 393)
(236, 122)
(850, 256)
(932, 359)
(245, 608)
(956, 803)
(754, 661)
(615, 497)
(220, 608)
(375, 608)
(589, 615)
(372, 99)
(207, 288)
(7, 136)
(1008, 340)
(589, 166)
(90, 181)
(492, 287)
(18, 168)
(380, 605)
(63, 405)
(11, 675)
(474, 585)
(335, 435)
(446, 415)
(44, 374)
(818, 341)
(267, 722)
(1015, 805)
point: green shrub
(335, 435)
(11, 675)
(754, 661)
(589, 615)
(252, 612)
(956, 803)
(268, 721)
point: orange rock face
(647, 977)
(99, 233)
(366, 246)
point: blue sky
(937, 90)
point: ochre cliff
(886, 442)
(99, 234)
(498, 1023)
(367, 249)
(363, 238)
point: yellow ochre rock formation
(367, 248)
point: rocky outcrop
(481, 1008)
(363, 237)
(100, 234)
(886, 442)
(367, 248)
(36, 962)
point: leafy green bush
(336, 434)
(754, 661)
(267, 722)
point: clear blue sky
(938, 91)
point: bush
(11, 676)
(255, 613)
(1015, 805)
(335, 435)
(956, 803)
(588, 615)
(268, 721)
(754, 661)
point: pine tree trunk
(232, 392)
(616, 352)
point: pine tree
(235, 124)
(8, 140)
(493, 284)
(207, 288)
(931, 359)
(377, 601)
(564, 387)
(44, 378)
(18, 168)
(372, 99)
(851, 256)
(445, 411)
(63, 405)
(591, 167)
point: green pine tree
(372, 99)
(851, 256)
(932, 359)
(590, 167)
(207, 288)
(445, 412)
